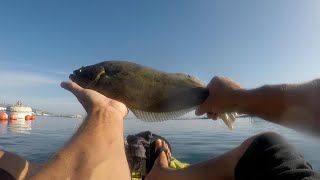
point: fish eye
(80, 70)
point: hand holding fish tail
(92, 101)
(221, 98)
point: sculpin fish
(150, 94)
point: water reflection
(16, 126)
(3, 126)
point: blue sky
(253, 42)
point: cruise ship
(19, 110)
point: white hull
(20, 115)
(20, 111)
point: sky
(252, 42)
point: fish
(150, 94)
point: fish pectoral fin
(228, 119)
(159, 116)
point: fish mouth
(72, 77)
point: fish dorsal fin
(159, 116)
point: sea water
(192, 140)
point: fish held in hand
(150, 94)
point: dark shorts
(5, 175)
(270, 157)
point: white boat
(19, 110)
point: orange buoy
(33, 117)
(13, 117)
(3, 116)
(27, 117)
(3, 121)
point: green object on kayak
(173, 164)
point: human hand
(93, 101)
(221, 98)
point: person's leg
(5, 175)
(236, 164)
(13, 166)
(218, 168)
(271, 157)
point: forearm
(295, 106)
(103, 159)
(220, 168)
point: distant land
(40, 112)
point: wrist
(239, 99)
(104, 121)
(106, 113)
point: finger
(214, 116)
(71, 86)
(199, 111)
(77, 91)
(209, 115)
(203, 108)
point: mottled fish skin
(142, 88)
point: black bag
(141, 152)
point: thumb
(76, 90)
(71, 86)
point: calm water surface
(192, 140)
